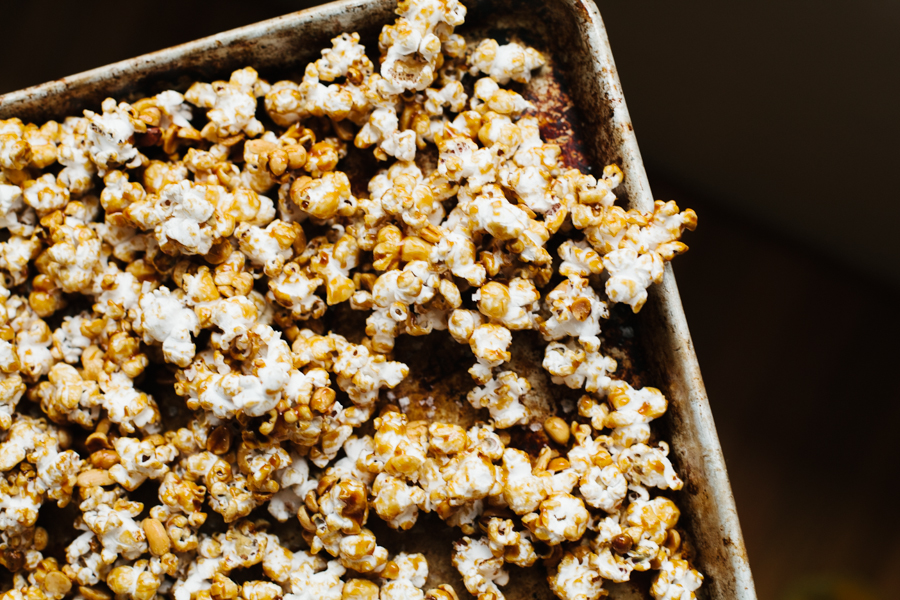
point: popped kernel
(231, 104)
(502, 63)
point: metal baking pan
(582, 108)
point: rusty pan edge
(673, 333)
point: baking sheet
(580, 100)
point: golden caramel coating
(201, 243)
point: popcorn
(579, 259)
(634, 254)
(561, 516)
(270, 247)
(111, 136)
(512, 305)
(138, 582)
(412, 45)
(501, 396)
(15, 152)
(492, 213)
(73, 259)
(396, 502)
(45, 195)
(523, 490)
(514, 546)
(16, 216)
(66, 396)
(232, 105)
(630, 274)
(139, 461)
(186, 217)
(383, 129)
(180, 266)
(676, 580)
(33, 339)
(406, 579)
(575, 310)
(12, 388)
(502, 63)
(572, 365)
(325, 197)
(69, 340)
(16, 254)
(604, 488)
(489, 97)
(481, 571)
(162, 317)
(649, 466)
(74, 153)
(576, 577)
(333, 262)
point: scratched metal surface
(581, 107)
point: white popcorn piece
(68, 340)
(481, 571)
(74, 151)
(630, 274)
(489, 96)
(575, 310)
(501, 396)
(127, 407)
(111, 136)
(634, 407)
(68, 397)
(489, 343)
(572, 365)
(676, 581)
(579, 259)
(162, 317)
(410, 47)
(462, 159)
(561, 517)
(362, 374)
(308, 583)
(392, 294)
(232, 104)
(115, 292)
(111, 518)
(576, 578)
(186, 217)
(140, 460)
(396, 502)
(74, 258)
(45, 194)
(412, 571)
(649, 466)
(270, 247)
(16, 254)
(523, 490)
(604, 488)
(15, 215)
(456, 252)
(294, 288)
(295, 484)
(33, 339)
(12, 388)
(492, 213)
(502, 63)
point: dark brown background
(777, 121)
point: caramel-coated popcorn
(204, 309)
